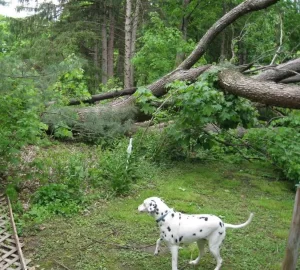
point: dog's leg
(200, 244)
(157, 246)
(214, 244)
(174, 252)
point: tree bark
(104, 96)
(96, 65)
(128, 36)
(183, 29)
(269, 93)
(133, 39)
(104, 49)
(293, 245)
(280, 72)
(293, 79)
(110, 48)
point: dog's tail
(240, 225)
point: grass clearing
(110, 234)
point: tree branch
(269, 93)
(240, 10)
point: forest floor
(111, 234)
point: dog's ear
(152, 206)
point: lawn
(111, 234)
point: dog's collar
(162, 217)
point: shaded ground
(111, 234)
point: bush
(281, 146)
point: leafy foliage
(158, 47)
(72, 84)
(201, 103)
(19, 117)
(281, 145)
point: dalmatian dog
(177, 228)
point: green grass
(111, 234)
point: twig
(274, 118)
(59, 263)
(280, 42)
(185, 266)
(97, 241)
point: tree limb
(237, 12)
(268, 93)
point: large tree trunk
(104, 50)
(183, 29)
(269, 93)
(128, 37)
(133, 39)
(96, 65)
(110, 48)
(293, 245)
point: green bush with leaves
(71, 84)
(199, 104)
(281, 146)
(19, 117)
(158, 47)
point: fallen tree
(255, 88)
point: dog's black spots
(156, 213)
(162, 214)
(173, 215)
(166, 211)
(180, 238)
(176, 240)
(172, 236)
(220, 233)
(194, 234)
(221, 224)
(169, 229)
(200, 230)
(205, 218)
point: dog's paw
(156, 252)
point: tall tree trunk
(128, 37)
(293, 245)
(96, 65)
(110, 48)
(133, 39)
(183, 28)
(223, 37)
(104, 49)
